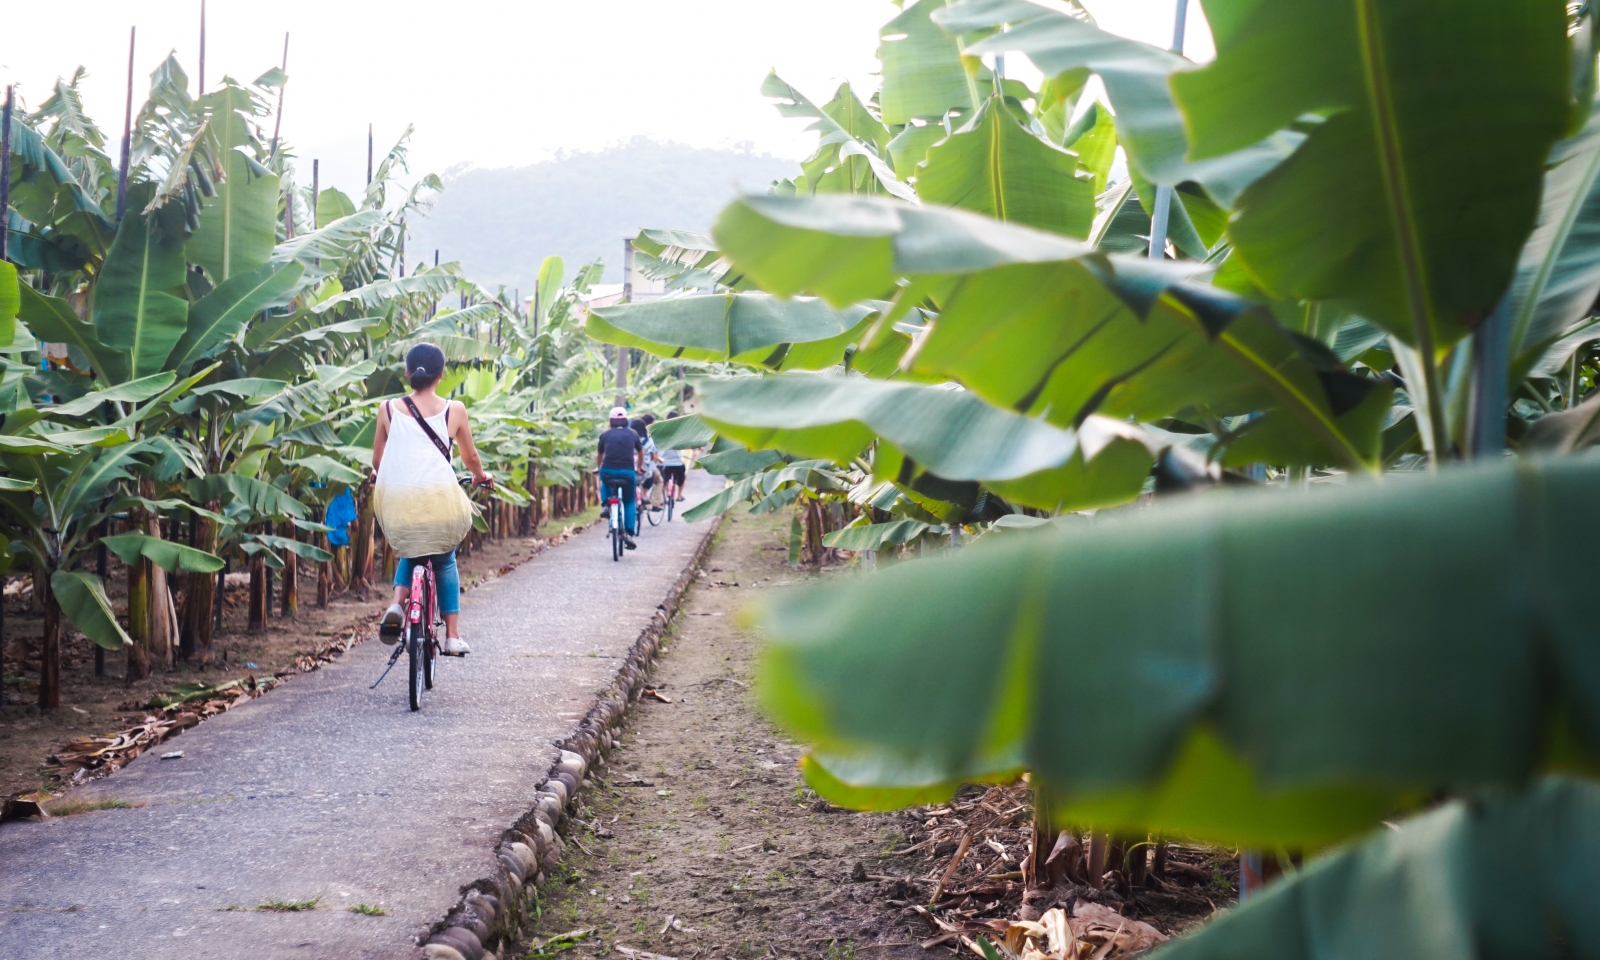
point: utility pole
(369, 154)
(200, 78)
(277, 123)
(127, 133)
(1163, 202)
(627, 297)
(316, 187)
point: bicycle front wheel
(415, 654)
(430, 660)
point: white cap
(617, 413)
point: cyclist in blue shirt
(619, 458)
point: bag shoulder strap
(423, 423)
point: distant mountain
(501, 223)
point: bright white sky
(497, 83)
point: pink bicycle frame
(421, 601)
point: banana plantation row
(193, 345)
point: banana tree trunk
(361, 546)
(258, 592)
(291, 575)
(49, 646)
(161, 634)
(324, 574)
(200, 600)
(138, 655)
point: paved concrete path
(324, 788)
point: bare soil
(101, 706)
(698, 838)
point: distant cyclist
(647, 472)
(619, 458)
(673, 469)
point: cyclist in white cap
(619, 458)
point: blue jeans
(447, 581)
(630, 500)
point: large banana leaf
(850, 139)
(995, 166)
(751, 327)
(10, 301)
(922, 71)
(949, 432)
(377, 293)
(1303, 665)
(1440, 887)
(225, 310)
(261, 498)
(333, 206)
(238, 226)
(1558, 275)
(133, 391)
(53, 320)
(681, 433)
(134, 311)
(1149, 126)
(1042, 324)
(1374, 207)
(82, 597)
(334, 241)
(163, 553)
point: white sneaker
(454, 647)
(393, 622)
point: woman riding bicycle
(619, 458)
(419, 504)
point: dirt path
(699, 838)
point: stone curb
(490, 911)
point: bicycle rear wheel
(616, 538)
(672, 499)
(415, 654)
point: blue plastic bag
(341, 513)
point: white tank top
(421, 508)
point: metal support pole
(1159, 216)
(200, 76)
(127, 132)
(5, 178)
(316, 187)
(277, 122)
(369, 154)
(627, 297)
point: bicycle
(671, 490)
(420, 640)
(650, 512)
(614, 512)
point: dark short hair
(648, 419)
(424, 365)
(640, 428)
